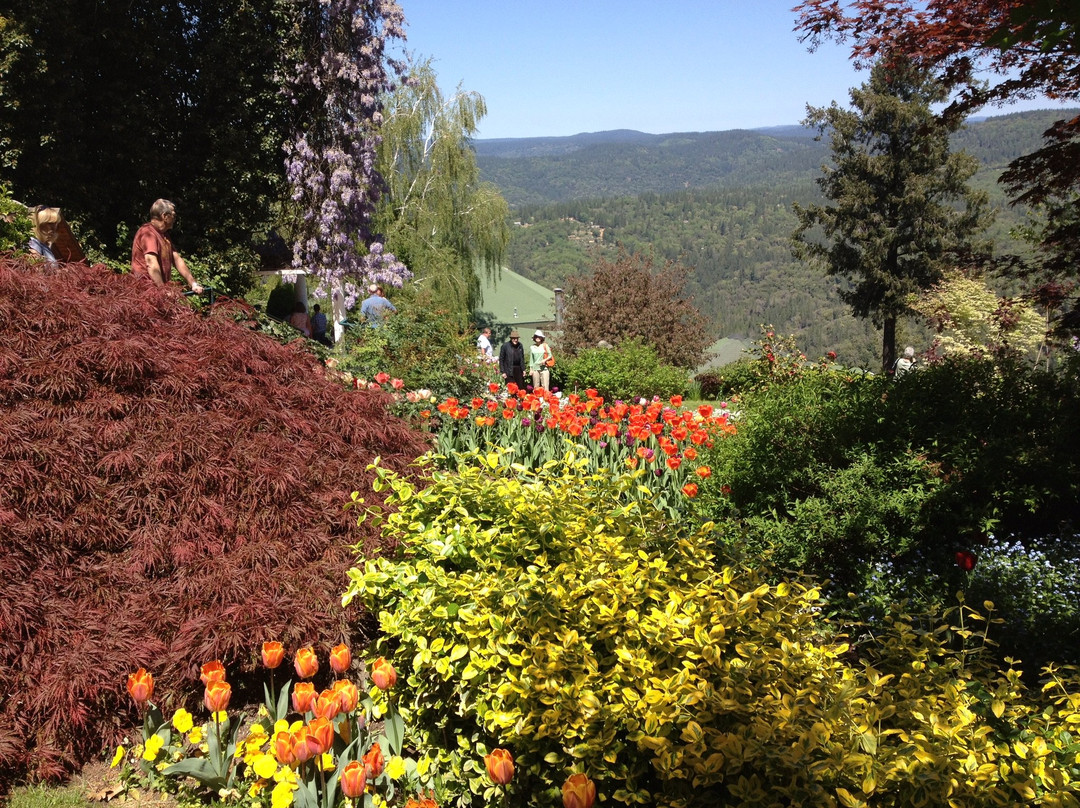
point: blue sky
(560, 67)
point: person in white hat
(540, 361)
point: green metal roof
(511, 299)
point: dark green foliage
(15, 226)
(171, 491)
(898, 210)
(729, 380)
(281, 301)
(628, 372)
(855, 478)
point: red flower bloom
(383, 675)
(306, 663)
(500, 766)
(382, 378)
(965, 560)
(374, 762)
(218, 693)
(353, 780)
(704, 472)
(690, 489)
(212, 672)
(272, 654)
(340, 659)
(676, 401)
(140, 686)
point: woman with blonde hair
(46, 223)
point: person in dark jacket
(512, 360)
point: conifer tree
(899, 211)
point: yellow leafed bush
(552, 614)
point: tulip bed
(533, 427)
(330, 754)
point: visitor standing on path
(483, 344)
(512, 360)
(375, 306)
(540, 361)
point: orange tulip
(140, 686)
(340, 659)
(374, 762)
(303, 697)
(327, 705)
(284, 746)
(704, 472)
(578, 792)
(690, 489)
(348, 695)
(383, 675)
(500, 766)
(323, 732)
(306, 745)
(272, 654)
(306, 663)
(218, 693)
(212, 672)
(353, 780)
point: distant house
(513, 301)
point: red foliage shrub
(171, 492)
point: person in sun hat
(512, 360)
(540, 361)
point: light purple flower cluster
(330, 163)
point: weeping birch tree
(436, 215)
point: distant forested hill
(720, 203)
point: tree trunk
(888, 345)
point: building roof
(511, 299)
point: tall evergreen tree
(899, 210)
(437, 216)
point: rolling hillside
(720, 203)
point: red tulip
(690, 489)
(218, 693)
(272, 654)
(353, 780)
(212, 672)
(140, 686)
(500, 766)
(323, 732)
(578, 792)
(340, 659)
(965, 560)
(284, 745)
(303, 697)
(374, 762)
(704, 472)
(306, 663)
(383, 675)
(348, 695)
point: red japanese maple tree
(171, 492)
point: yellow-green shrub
(548, 613)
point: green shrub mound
(547, 613)
(877, 484)
(171, 491)
(630, 371)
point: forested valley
(721, 204)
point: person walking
(152, 253)
(512, 360)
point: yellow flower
(285, 775)
(182, 720)
(153, 746)
(395, 767)
(195, 736)
(220, 716)
(120, 751)
(281, 725)
(327, 762)
(264, 766)
(256, 789)
(281, 796)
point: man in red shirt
(152, 252)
